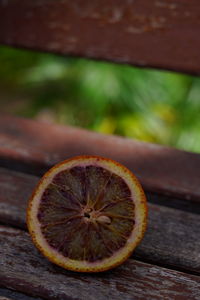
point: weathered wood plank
(162, 34)
(15, 189)
(172, 238)
(33, 147)
(6, 294)
(24, 269)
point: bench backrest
(160, 33)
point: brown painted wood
(172, 238)
(33, 147)
(160, 33)
(24, 269)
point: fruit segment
(86, 213)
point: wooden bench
(166, 265)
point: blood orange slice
(87, 214)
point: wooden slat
(15, 189)
(162, 34)
(6, 294)
(24, 269)
(172, 238)
(33, 147)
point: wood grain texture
(172, 238)
(6, 294)
(15, 189)
(33, 147)
(24, 269)
(161, 34)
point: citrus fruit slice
(87, 214)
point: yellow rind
(80, 266)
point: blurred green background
(149, 105)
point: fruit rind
(82, 266)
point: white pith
(140, 216)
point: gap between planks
(6, 294)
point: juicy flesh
(86, 213)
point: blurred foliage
(150, 105)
